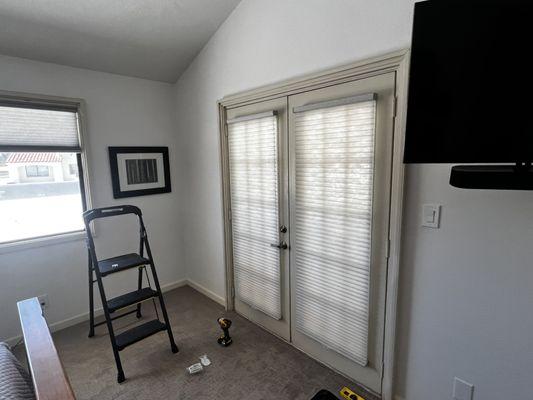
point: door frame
(397, 62)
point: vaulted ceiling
(153, 39)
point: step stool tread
(139, 332)
(130, 298)
(121, 263)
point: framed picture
(139, 171)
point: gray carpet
(256, 366)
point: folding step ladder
(103, 268)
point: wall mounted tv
(470, 90)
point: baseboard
(206, 292)
(174, 285)
(77, 319)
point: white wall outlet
(431, 215)
(43, 301)
(462, 390)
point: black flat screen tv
(470, 88)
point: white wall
(262, 42)
(120, 111)
(466, 291)
(466, 288)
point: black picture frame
(119, 193)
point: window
(41, 193)
(73, 169)
(34, 171)
(334, 174)
(253, 159)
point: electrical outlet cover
(462, 390)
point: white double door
(310, 178)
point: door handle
(282, 245)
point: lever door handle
(282, 245)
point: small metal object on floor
(195, 368)
(205, 361)
(199, 367)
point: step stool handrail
(104, 212)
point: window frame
(38, 171)
(30, 100)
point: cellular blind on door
(253, 162)
(334, 163)
(23, 128)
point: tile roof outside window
(33, 158)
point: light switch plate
(431, 215)
(462, 390)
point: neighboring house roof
(25, 158)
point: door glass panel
(334, 164)
(253, 163)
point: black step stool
(103, 268)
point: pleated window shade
(38, 129)
(253, 162)
(334, 158)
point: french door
(341, 154)
(257, 155)
(310, 179)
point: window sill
(45, 241)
